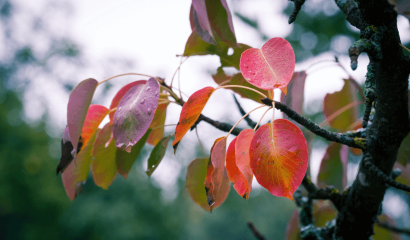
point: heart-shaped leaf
(75, 175)
(135, 113)
(271, 66)
(333, 168)
(103, 164)
(157, 154)
(125, 159)
(279, 157)
(117, 98)
(196, 181)
(221, 78)
(190, 112)
(78, 103)
(333, 104)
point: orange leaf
(95, 115)
(196, 183)
(279, 157)
(190, 112)
(333, 168)
(235, 175)
(159, 119)
(271, 66)
(217, 170)
(242, 145)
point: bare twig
(298, 6)
(255, 231)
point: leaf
(383, 233)
(195, 178)
(242, 145)
(335, 101)
(279, 160)
(190, 113)
(403, 156)
(296, 91)
(220, 77)
(118, 96)
(240, 184)
(211, 17)
(95, 115)
(103, 164)
(333, 168)
(404, 177)
(271, 66)
(157, 154)
(125, 160)
(76, 173)
(159, 119)
(293, 228)
(78, 103)
(217, 173)
(196, 46)
(135, 113)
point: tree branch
(298, 6)
(331, 136)
(352, 12)
(248, 119)
(255, 231)
(331, 193)
(226, 127)
(382, 176)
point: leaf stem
(238, 86)
(200, 143)
(124, 74)
(177, 70)
(243, 118)
(261, 118)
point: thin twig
(255, 231)
(331, 136)
(248, 120)
(394, 229)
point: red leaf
(271, 66)
(240, 184)
(333, 168)
(242, 145)
(135, 113)
(190, 112)
(196, 184)
(279, 160)
(117, 98)
(103, 164)
(95, 115)
(217, 173)
(335, 101)
(75, 175)
(237, 79)
(78, 103)
(296, 91)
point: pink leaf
(135, 113)
(78, 103)
(271, 66)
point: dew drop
(149, 111)
(142, 101)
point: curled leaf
(135, 113)
(190, 112)
(217, 171)
(157, 154)
(78, 103)
(240, 184)
(279, 157)
(271, 66)
(242, 146)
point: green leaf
(125, 159)
(157, 154)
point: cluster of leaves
(276, 153)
